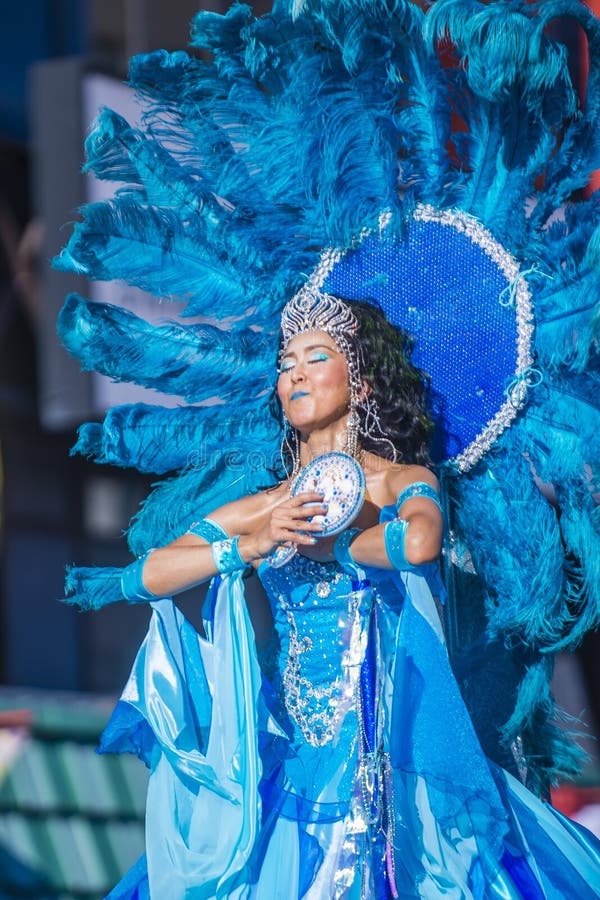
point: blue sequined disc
(342, 481)
(340, 478)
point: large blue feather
(159, 440)
(196, 362)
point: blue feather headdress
(426, 160)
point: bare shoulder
(389, 479)
(402, 477)
(416, 504)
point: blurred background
(70, 821)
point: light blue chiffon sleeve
(190, 709)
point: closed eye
(321, 357)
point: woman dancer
(429, 160)
(349, 766)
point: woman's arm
(423, 536)
(262, 521)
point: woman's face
(313, 382)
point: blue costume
(429, 161)
(338, 762)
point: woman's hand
(287, 522)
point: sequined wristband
(226, 556)
(394, 534)
(132, 584)
(341, 548)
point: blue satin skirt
(226, 820)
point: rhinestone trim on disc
(342, 481)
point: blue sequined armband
(208, 529)
(227, 556)
(132, 584)
(419, 489)
(394, 534)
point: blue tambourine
(341, 480)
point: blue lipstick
(297, 394)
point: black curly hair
(399, 389)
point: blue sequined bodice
(319, 621)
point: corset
(320, 619)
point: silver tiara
(310, 310)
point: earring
(353, 429)
(372, 424)
(290, 449)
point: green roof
(71, 820)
